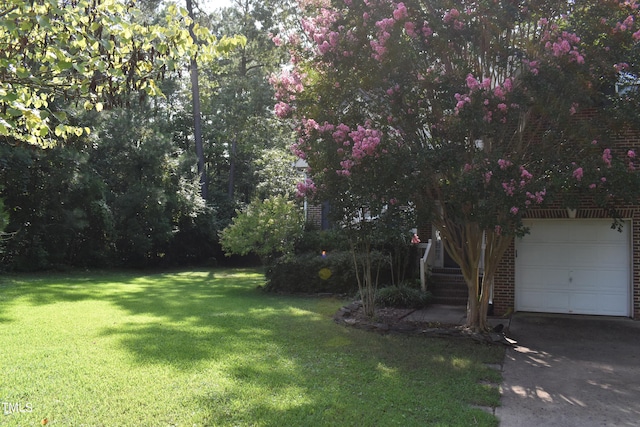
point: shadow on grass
(282, 360)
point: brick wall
(635, 273)
(504, 283)
(314, 215)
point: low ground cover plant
(208, 348)
(402, 296)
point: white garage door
(574, 266)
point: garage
(574, 266)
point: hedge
(313, 273)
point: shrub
(402, 296)
(313, 273)
(315, 241)
(266, 227)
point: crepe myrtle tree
(93, 53)
(475, 111)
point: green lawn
(207, 348)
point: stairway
(447, 286)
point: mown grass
(207, 348)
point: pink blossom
(620, 66)
(592, 186)
(305, 188)
(385, 24)
(631, 154)
(347, 165)
(572, 110)
(282, 109)
(606, 156)
(365, 142)
(487, 176)
(410, 28)
(578, 173)
(451, 15)
(468, 167)
(504, 163)
(498, 230)
(400, 12)
(525, 173)
(415, 239)
(341, 132)
(502, 107)
(276, 40)
(533, 66)
(514, 210)
(472, 83)
(603, 179)
(509, 187)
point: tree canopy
(474, 111)
(89, 52)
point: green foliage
(472, 111)
(275, 173)
(93, 52)
(312, 273)
(247, 153)
(268, 228)
(56, 207)
(130, 199)
(315, 241)
(402, 296)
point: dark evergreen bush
(313, 273)
(402, 296)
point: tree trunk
(464, 244)
(197, 121)
(367, 284)
(232, 169)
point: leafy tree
(151, 190)
(238, 100)
(56, 206)
(275, 173)
(268, 228)
(475, 111)
(91, 52)
(4, 221)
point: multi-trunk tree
(472, 111)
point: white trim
(596, 298)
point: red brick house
(571, 262)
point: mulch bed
(389, 320)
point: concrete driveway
(571, 371)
